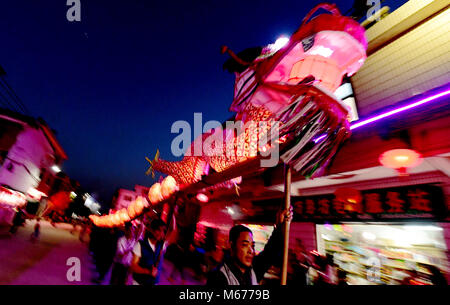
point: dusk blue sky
(113, 84)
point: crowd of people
(81, 226)
(136, 256)
(142, 250)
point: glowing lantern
(168, 186)
(124, 217)
(108, 221)
(400, 159)
(115, 219)
(140, 204)
(101, 221)
(94, 219)
(154, 194)
(131, 210)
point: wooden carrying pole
(287, 205)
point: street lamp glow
(56, 168)
(279, 43)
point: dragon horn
(236, 188)
(150, 169)
(225, 49)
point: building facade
(29, 153)
(124, 197)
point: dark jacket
(148, 260)
(271, 255)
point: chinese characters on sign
(417, 201)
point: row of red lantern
(157, 193)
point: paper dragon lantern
(292, 86)
(283, 94)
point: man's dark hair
(156, 224)
(236, 231)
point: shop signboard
(424, 201)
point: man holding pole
(243, 267)
(147, 254)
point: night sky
(113, 84)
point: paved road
(43, 262)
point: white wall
(141, 190)
(121, 202)
(31, 149)
(413, 64)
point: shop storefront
(10, 200)
(383, 253)
(378, 236)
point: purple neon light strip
(392, 112)
(398, 110)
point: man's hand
(284, 215)
(154, 271)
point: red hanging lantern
(400, 159)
